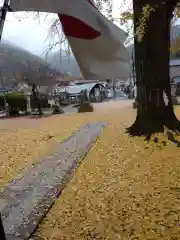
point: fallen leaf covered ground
(23, 141)
(125, 188)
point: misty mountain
(17, 64)
(64, 64)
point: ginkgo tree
(152, 20)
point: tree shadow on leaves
(148, 130)
(144, 128)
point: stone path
(27, 198)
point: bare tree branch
(56, 36)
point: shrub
(85, 107)
(57, 109)
(16, 101)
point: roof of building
(175, 62)
(78, 88)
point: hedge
(16, 101)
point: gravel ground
(125, 189)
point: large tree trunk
(152, 46)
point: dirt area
(126, 188)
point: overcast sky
(26, 32)
(31, 33)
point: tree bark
(152, 67)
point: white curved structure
(96, 42)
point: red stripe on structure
(76, 28)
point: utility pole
(2, 20)
(5, 8)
